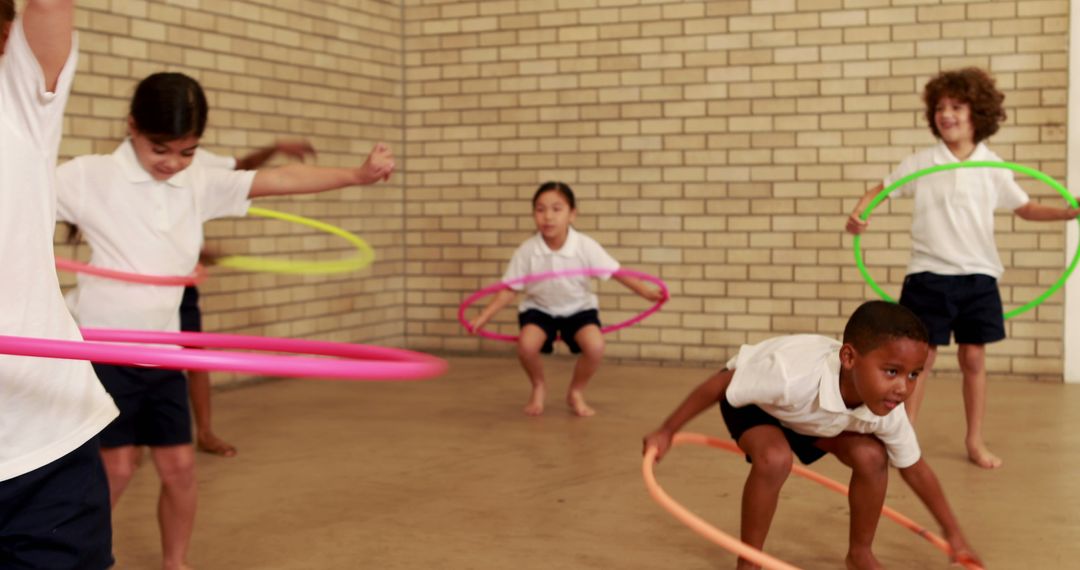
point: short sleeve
(69, 191)
(597, 257)
(518, 266)
(907, 166)
(759, 378)
(27, 105)
(225, 193)
(214, 161)
(1010, 195)
(899, 438)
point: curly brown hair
(973, 86)
(7, 11)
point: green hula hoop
(363, 258)
(857, 244)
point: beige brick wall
(717, 144)
(329, 71)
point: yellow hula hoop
(363, 257)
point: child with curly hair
(951, 280)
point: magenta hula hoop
(587, 271)
(195, 278)
(349, 362)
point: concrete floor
(448, 473)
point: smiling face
(883, 377)
(162, 159)
(953, 120)
(553, 215)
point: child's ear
(848, 354)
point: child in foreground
(563, 307)
(809, 395)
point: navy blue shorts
(153, 406)
(559, 327)
(58, 516)
(739, 420)
(190, 317)
(969, 306)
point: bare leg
(176, 505)
(869, 463)
(205, 439)
(530, 340)
(914, 401)
(591, 341)
(770, 465)
(972, 359)
(120, 464)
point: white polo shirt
(207, 159)
(134, 223)
(562, 296)
(48, 406)
(796, 379)
(952, 230)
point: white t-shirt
(48, 406)
(562, 296)
(952, 230)
(796, 379)
(134, 223)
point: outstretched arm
(704, 396)
(1038, 213)
(854, 224)
(922, 480)
(502, 298)
(308, 179)
(298, 149)
(640, 287)
(48, 25)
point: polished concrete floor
(449, 474)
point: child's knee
(774, 461)
(869, 456)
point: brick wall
(719, 145)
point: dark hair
(169, 106)
(559, 187)
(876, 322)
(973, 86)
(7, 11)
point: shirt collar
(942, 154)
(829, 391)
(136, 174)
(568, 248)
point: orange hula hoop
(740, 548)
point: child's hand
(654, 295)
(298, 149)
(660, 439)
(1071, 213)
(378, 166)
(962, 553)
(855, 225)
(476, 324)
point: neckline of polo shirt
(567, 247)
(942, 154)
(136, 174)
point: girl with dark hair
(952, 278)
(142, 210)
(558, 308)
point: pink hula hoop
(588, 271)
(195, 278)
(351, 362)
(740, 548)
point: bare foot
(862, 560)
(174, 566)
(212, 444)
(576, 401)
(535, 407)
(979, 455)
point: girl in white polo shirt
(142, 210)
(563, 307)
(951, 280)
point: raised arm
(298, 149)
(1036, 212)
(922, 480)
(854, 224)
(48, 25)
(703, 397)
(308, 179)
